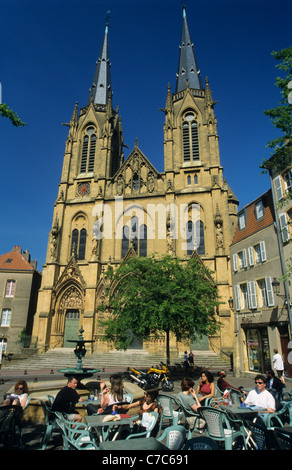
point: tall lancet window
(135, 234)
(190, 138)
(88, 151)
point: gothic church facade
(109, 208)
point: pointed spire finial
(188, 70)
(101, 85)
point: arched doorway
(71, 327)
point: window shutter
(269, 290)
(235, 268)
(237, 297)
(250, 256)
(252, 298)
(284, 227)
(263, 251)
(279, 190)
(244, 258)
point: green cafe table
(144, 443)
(103, 428)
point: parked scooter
(152, 378)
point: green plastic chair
(51, 425)
(129, 397)
(168, 403)
(279, 418)
(222, 427)
(76, 436)
(175, 437)
(201, 443)
(149, 428)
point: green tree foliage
(8, 113)
(160, 295)
(281, 115)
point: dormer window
(190, 138)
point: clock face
(83, 189)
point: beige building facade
(109, 207)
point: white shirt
(278, 362)
(263, 399)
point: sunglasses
(257, 382)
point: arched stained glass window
(138, 237)
(195, 241)
(78, 243)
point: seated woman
(189, 399)
(206, 387)
(109, 396)
(147, 404)
(223, 384)
(20, 395)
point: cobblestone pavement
(32, 434)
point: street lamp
(230, 303)
(276, 287)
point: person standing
(278, 364)
(191, 359)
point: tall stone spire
(188, 72)
(101, 85)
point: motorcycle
(152, 378)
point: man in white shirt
(260, 396)
(278, 363)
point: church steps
(62, 358)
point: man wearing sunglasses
(260, 397)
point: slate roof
(188, 70)
(252, 224)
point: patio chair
(201, 443)
(284, 441)
(10, 416)
(168, 412)
(50, 422)
(148, 421)
(279, 418)
(76, 436)
(175, 437)
(27, 402)
(222, 427)
(286, 396)
(260, 437)
(235, 396)
(129, 397)
(51, 399)
(198, 424)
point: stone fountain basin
(39, 391)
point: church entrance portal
(71, 327)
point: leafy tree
(281, 115)
(8, 113)
(159, 295)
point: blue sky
(47, 61)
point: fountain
(79, 372)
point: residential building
(19, 285)
(261, 320)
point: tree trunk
(167, 348)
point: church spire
(188, 72)
(101, 85)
